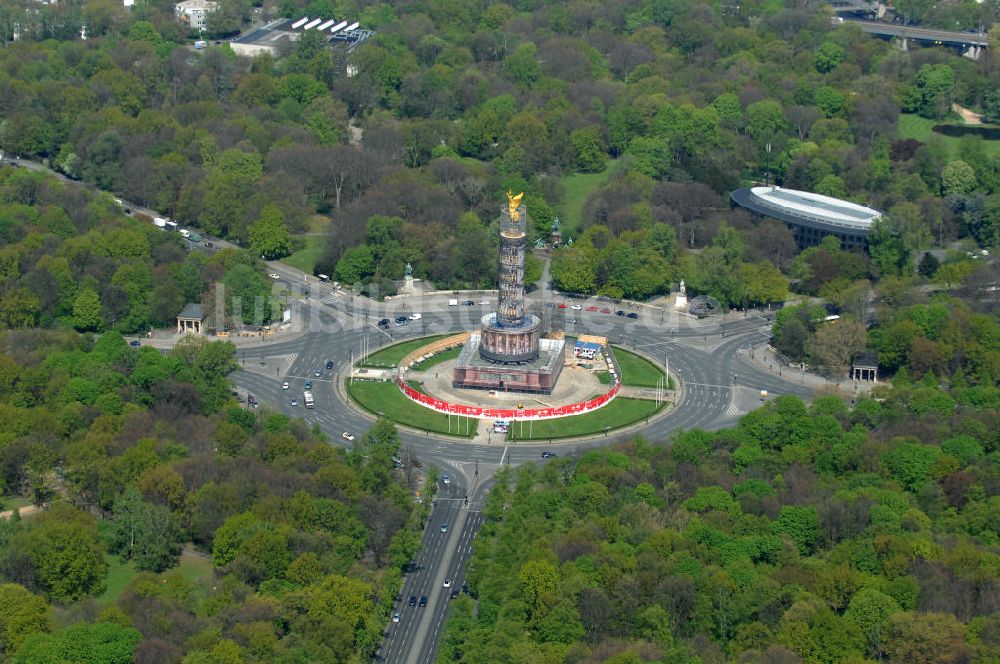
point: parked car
(209, 245)
(134, 344)
(605, 310)
(401, 320)
(632, 315)
(309, 385)
(329, 364)
(318, 373)
(295, 402)
(576, 307)
(284, 385)
(347, 435)
(468, 303)
(620, 313)
(484, 302)
(384, 323)
(563, 305)
(274, 275)
(592, 308)
(415, 316)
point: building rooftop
(207, 5)
(192, 311)
(807, 208)
(334, 31)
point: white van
(185, 232)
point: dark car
(454, 593)
(128, 211)
(549, 455)
(413, 600)
(468, 303)
(632, 315)
(329, 364)
(619, 313)
(14, 164)
(134, 344)
(402, 320)
(423, 601)
(384, 323)
(209, 245)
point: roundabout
(594, 395)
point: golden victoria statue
(514, 202)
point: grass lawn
(914, 126)
(391, 355)
(13, 503)
(577, 187)
(198, 571)
(119, 575)
(450, 354)
(305, 259)
(376, 397)
(636, 370)
(195, 569)
(618, 413)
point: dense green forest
(806, 534)
(72, 259)
(673, 103)
(137, 455)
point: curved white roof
(816, 207)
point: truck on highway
(307, 399)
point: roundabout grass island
(639, 396)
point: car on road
(309, 385)
(563, 305)
(620, 313)
(329, 364)
(395, 617)
(576, 307)
(446, 479)
(632, 315)
(605, 310)
(413, 600)
(592, 307)
(415, 316)
(468, 303)
(454, 593)
(347, 435)
(318, 373)
(384, 323)
(447, 583)
(401, 320)
(209, 244)
(549, 455)
(422, 602)
(134, 344)
(444, 527)
(484, 302)
(295, 402)
(274, 275)
(128, 211)
(284, 385)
